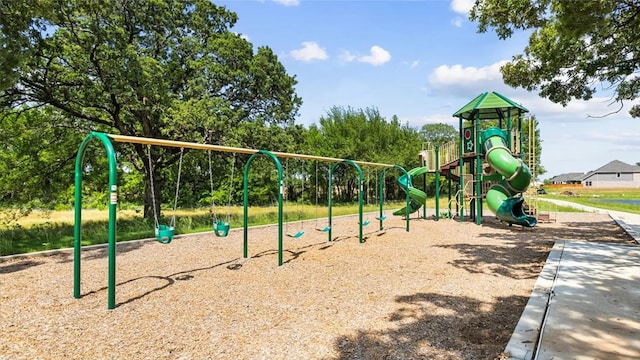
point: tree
(574, 44)
(162, 69)
(439, 134)
(363, 134)
(35, 166)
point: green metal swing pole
(381, 197)
(461, 170)
(424, 183)
(77, 227)
(330, 192)
(407, 195)
(478, 174)
(437, 163)
(245, 195)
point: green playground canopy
(489, 106)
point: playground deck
(445, 290)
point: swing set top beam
(190, 145)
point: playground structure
(506, 178)
(164, 233)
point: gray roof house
(570, 178)
(615, 174)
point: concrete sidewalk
(585, 303)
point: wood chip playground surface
(445, 290)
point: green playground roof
(489, 106)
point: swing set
(165, 233)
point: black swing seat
(165, 233)
(221, 228)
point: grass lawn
(48, 230)
(600, 198)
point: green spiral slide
(505, 198)
(417, 197)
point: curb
(634, 233)
(524, 340)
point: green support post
(521, 134)
(478, 174)
(509, 128)
(407, 196)
(437, 183)
(381, 197)
(245, 193)
(424, 183)
(77, 227)
(449, 197)
(360, 180)
(460, 170)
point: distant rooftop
(615, 166)
(567, 177)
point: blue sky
(422, 61)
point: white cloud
(287, 2)
(466, 82)
(447, 75)
(310, 51)
(462, 6)
(457, 22)
(347, 56)
(412, 64)
(377, 56)
(622, 139)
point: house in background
(570, 178)
(615, 174)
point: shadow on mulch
(168, 279)
(517, 259)
(19, 266)
(66, 256)
(470, 329)
(595, 231)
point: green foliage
(160, 69)
(439, 134)
(363, 135)
(36, 161)
(574, 44)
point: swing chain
(175, 201)
(233, 166)
(153, 192)
(213, 203)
